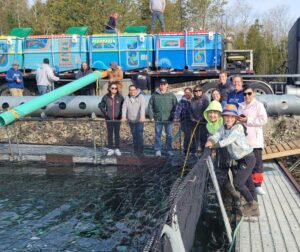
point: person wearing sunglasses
(236, 96)
(111, 107)
(162, 105)
(199, 104)
(254, 116)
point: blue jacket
(225, 89)
(11, 77)
(235, 98)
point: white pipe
(216, 186)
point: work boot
(251, 209)
(235, 195)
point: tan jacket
(116, 77)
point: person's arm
(119, 75)
(178, 110)
(150, 108)
(259, 119)
(150, 6)
(78, 75)
(9, 77)
(236, 133)
(163, 5)
(124, 110)
(103, 106)
(214, 139)
(174, 102)
(142, 109)
(51, 76)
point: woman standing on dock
(254, 116)
(111, 107)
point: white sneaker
(118, 152)
(110, 152)
(259, 190)
(158, 153)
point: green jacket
(213, 127)
(162, 106)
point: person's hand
(18, 80)
(176, 120)
(123, 120)
(142, 119)
(242, 119)
(151, 120)
(209, 144)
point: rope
(188, 150)
(234, 234)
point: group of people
(231, 122)
(45, 78)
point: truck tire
(260, 88)
(209, 87)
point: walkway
(283, 149)
(278, 227)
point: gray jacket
(45, 76)
(157, 5)
(134, 107)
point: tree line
(266, 35)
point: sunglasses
(112, 88)
(198, 90)
(248, 93)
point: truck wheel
(260, 88)
(209, 87)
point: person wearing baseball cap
(232, 136)
(14, 78)
(162, 105)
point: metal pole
(216, 186)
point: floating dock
(278, 227)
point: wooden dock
(283, 149)
(278, 227)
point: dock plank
(285, 146)
(268, 150)
(280, 148)
(278, 227)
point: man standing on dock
(157, 8)
(45, 77)
(162, 105)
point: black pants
(186, 127)
(222, 166)
(200, 136)
(242, 177)
(113, 131)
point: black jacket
(112, 107)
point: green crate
(20, 32)
(136, 29)
(79, 30)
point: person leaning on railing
(111, 107)
(133, 111)
(162, 105)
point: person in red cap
(232, 136)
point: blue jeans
(160, 16)
(158, 130)
(137, 131)
(42, 89)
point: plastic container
(129, 50)
(196, 50)
(65, 52)
(10, 50)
